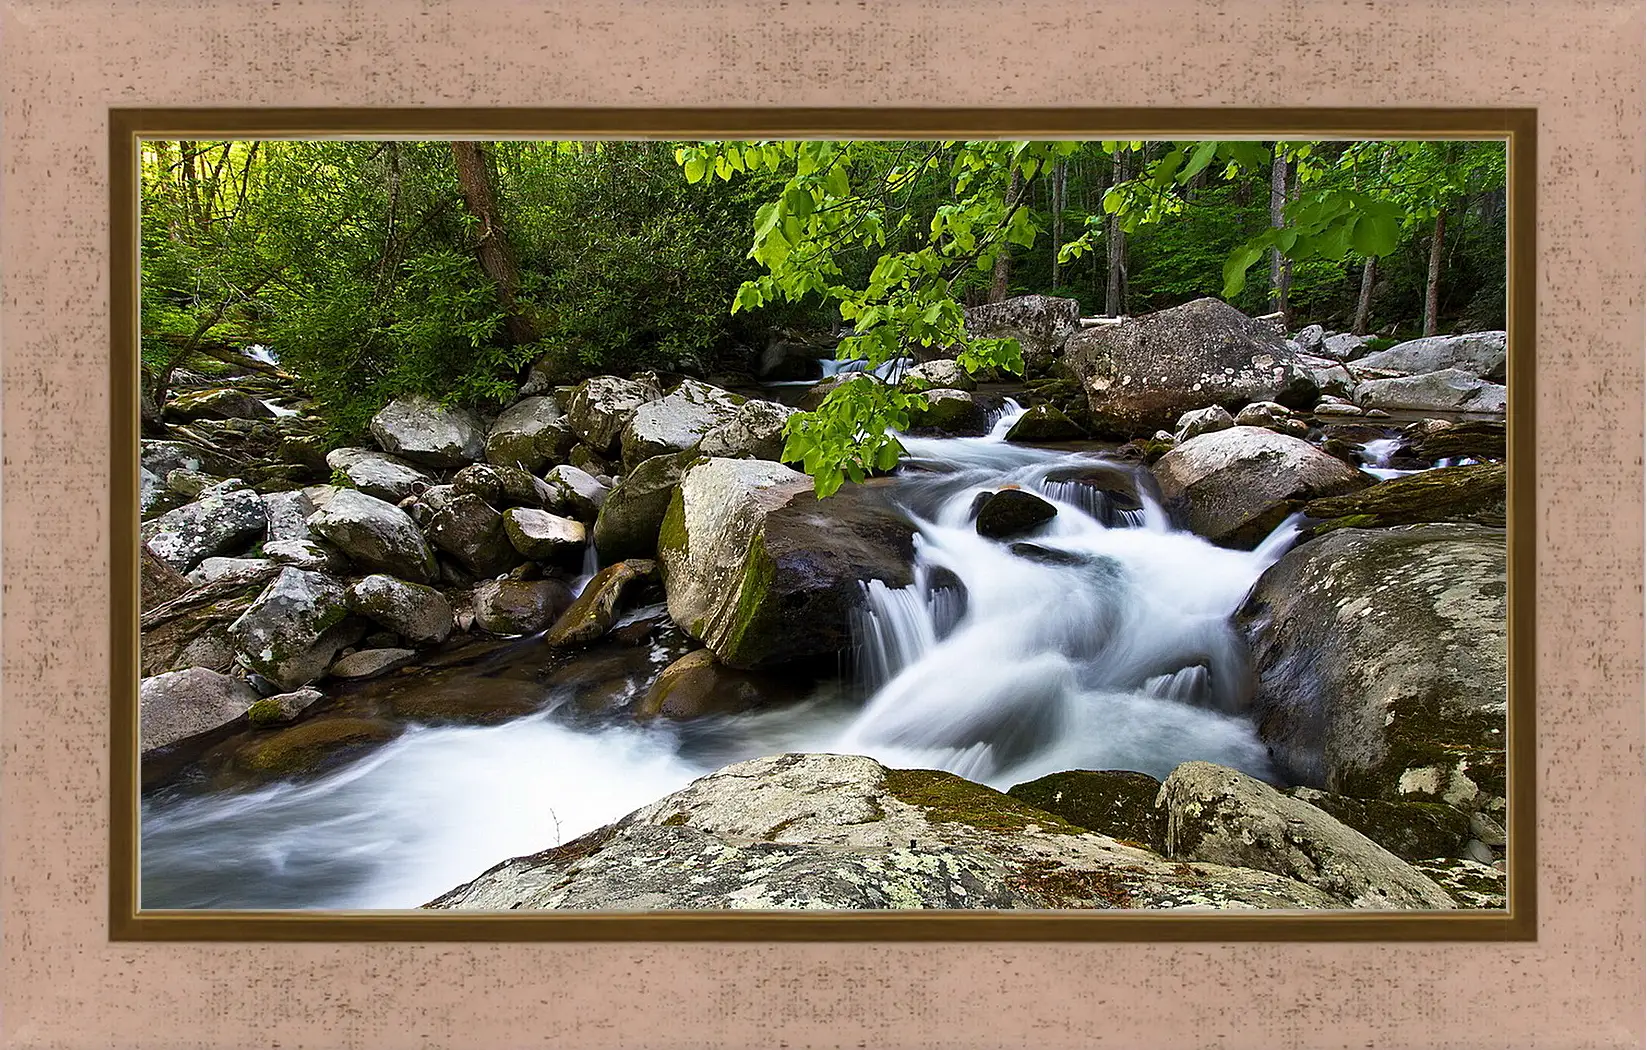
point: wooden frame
(1517, 126)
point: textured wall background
(1579, 61)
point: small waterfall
(259, 352)
(889, 371)
(1375, 456)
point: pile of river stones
(274, 569)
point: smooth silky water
(1106, 646)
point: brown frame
(1518, 922)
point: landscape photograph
(653, 525)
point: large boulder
(1140, 374)
(1234, 486)
(697, 685)
(512, 607)
(1116, 802)
(191, 628)
(942, 374)
(502, 486)
(762, 571)
(542, 536)
(220, 522)
(677, 422)
(1473, 494)
(1411, 830)
(950, 412)
(426, 432)
(289, 511)
(518, 438)
(1044, 423)
(844, 832)
(378, 535)
(1202, 421)
(1381, 658)
(1449, 390)
(378, 473)
(419, 614)
(755, 431)
(1012, 512)
(632, 513)
(1042, 324)
(178, 705)
(469, 530)
(1481, 354)
(575, 493)
(601, 407)
(295, 628)
(215, 404)
(1219, 816)
(588, 618)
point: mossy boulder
(224, 520)
(697, 685)
(1118, 803)
(630, 517)
(1473, 494)
(601, 407)
(514, 607)
(283, 707)
(755, 431)
(1410, 830)
(542, 536)
(1381, 659)
(1045, 423)
(378, 473)
(179, 705)
(428, 433)
(1436, 439)
(526, 433)
(378, 535)
(295, 628)
(1012, 512)
(763, 572)
(311, 747)
(676, 422)
(469, 530)
(592, 614)
(420, 614)
(950, 412)
(576, 493)
(503, 486)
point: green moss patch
(949, 799)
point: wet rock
(542, 536)
(179, 705)
(763, 572)
(515, 607)
(575, 493)
(1437, 439)
(601, 407)
(1044, 423)
(378, 535)
(526, 434)
(1220, 816)
(630, 516)
(1118, 803)
(1042, 324)
(312, 747)
(1107, 492)
(426, 432)
(469, 530)
(1144, 372)
(592, 614)
(1202, 421)
(215, 404)
(294, 629)
(1336, 410)
(283, 708)
(220, 522)
(1413, 831)
(1452, 390)
(1475, 494)
(942, 374)
(697, 685)
(1481, 354)
(950, 412)
(371, 663)
(1381, 662)
(378, 474)
(1235, 486)
(755, 431)
(1012, 512)
(836, 831)
(676, 422)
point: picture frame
(70, 983)
(1517, 128)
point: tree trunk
(1003, 261)
(1280, 266)
(1432, 285)
(1363, 305)
(1058, 191)
(1116, 291)
(493, 251)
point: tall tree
(1060, 188)
(1363, 302)
(492, 247)
(1432, 280)
(1115, 291)
(1280, 265)
(1001, 281)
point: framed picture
(922, 534)
(907, 527)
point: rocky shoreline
(301, 605)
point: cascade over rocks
(1234, 486)
(1141, 373)
(1220, 816)
(763, 572)
(1045, 423)
(428, 433)
(1381, 658)
(843, 831)
(378, 535)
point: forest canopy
(377, 269)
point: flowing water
(1102, 641)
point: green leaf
(695, 168)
